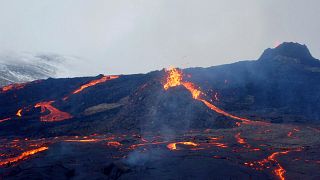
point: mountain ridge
(271, 91)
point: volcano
(250, 119)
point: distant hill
(25, 67)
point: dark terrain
(250, 120)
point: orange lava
(23, 156)
(54, 115)
(19, 112)
(173, 146)
(279, 171)
(220, 145)
(245, 144)
(82, 140)
(175, 78)
(270, 161)
(145, 144)
(114, 144)
(239, 139)
(290, 133)
(13, 87)
(95, 82)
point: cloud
(138, 35)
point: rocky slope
(247, 120)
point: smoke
(141, 158)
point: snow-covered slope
(24, 67)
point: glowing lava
(82, 140)
(114, 144)
(290, 133)
(13, 87)
(54, 113)
(220, 145)
(240, 140)
(173, 146)
(19, 112)
(175, 78)
(23, 156)
(270, 161)
(95, 82)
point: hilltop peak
(289, 50)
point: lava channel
(54, 113)
(94, 82)
(23, 156)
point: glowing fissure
(245, 144)
(54, 113)
(94, 82)
(290, 133)
(270, 161)
(173, 146)
(114, 144)
(82, 140)
(175, 78)
(13, 87)
(134, 146)
(240, 140)
(23, 156)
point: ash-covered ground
(257, 151)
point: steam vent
(254, 119)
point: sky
(138, 36)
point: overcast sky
(133, 36)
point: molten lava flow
(5, 119)
(19, 112)
(173, 146)
(134, 146)
(290, 133)
(279, 171)
(220, 111)
(95, 82)
(54, 115)
(24, 155)
(193, 90)
(270, 161)
(245, 144)
(240, 140)
(220, 145)
(174, 78)
(82, 140)
(114, 144)
(13, 87)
